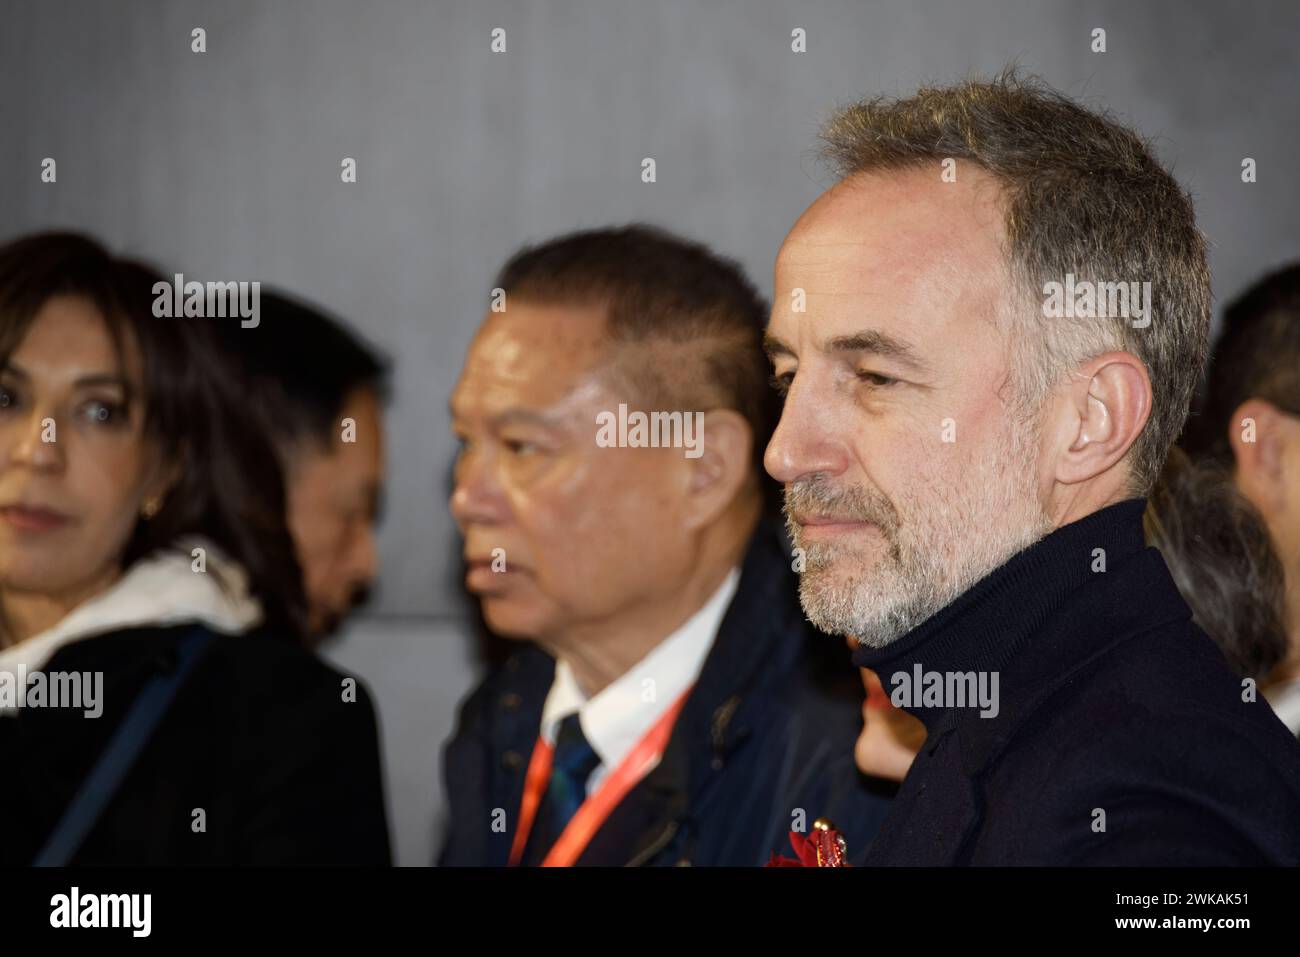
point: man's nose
(476, 497)
(804, 442)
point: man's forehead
(513, 371)
(530, 336)
(896, 216)
(880, 254)
(573, 322)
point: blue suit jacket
(763, 745)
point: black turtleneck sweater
(1120, 734)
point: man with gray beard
(965, 473)
(929, 561)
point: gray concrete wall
(226, 164)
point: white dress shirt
(614, 720)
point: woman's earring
(150, 508)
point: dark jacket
(1121, 735)
(767, 730)
(258, 736)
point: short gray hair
(1083, 195)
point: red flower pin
(823, 847)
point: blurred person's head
(119, 435)
(594, 537)
(1219, 554)
(320, 391)
(1250, 418)
(936, 420)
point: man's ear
(720, 464)
(1104, 409)
(1254, 432)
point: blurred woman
(146, 571)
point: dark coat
(258, 736)
(768, 728)
(1115, 711)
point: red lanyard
(584, 824)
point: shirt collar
(616, 718)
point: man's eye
(781, 383)
(876, 379)
(519, 446)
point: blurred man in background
(1250, 423)
(668, 703)
(319, 391)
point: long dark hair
(1219, 553)
(230, 489)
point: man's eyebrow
(525, 417)
(515, 417)
(776, 347)
(879, 343)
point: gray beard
(950, 540)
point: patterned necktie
(573, 761)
